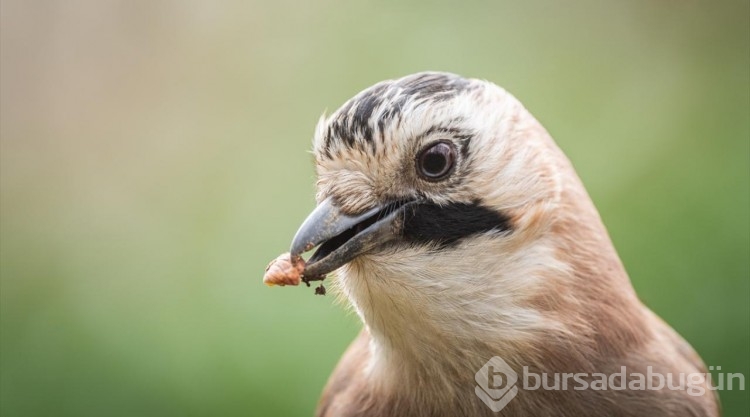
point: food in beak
(284, 270)
(288, 269)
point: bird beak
(342, 237)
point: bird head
(440, 205)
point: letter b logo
(496, 384)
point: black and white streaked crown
(361, 121)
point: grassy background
(155, 158)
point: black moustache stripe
(445, 225)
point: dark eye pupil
(436, 161)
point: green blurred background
(155, 156)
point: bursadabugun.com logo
(497, 382)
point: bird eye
(436, 161)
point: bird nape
(462, 236)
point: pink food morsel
(284, 271)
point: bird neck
(432, 320)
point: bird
(459, 232)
